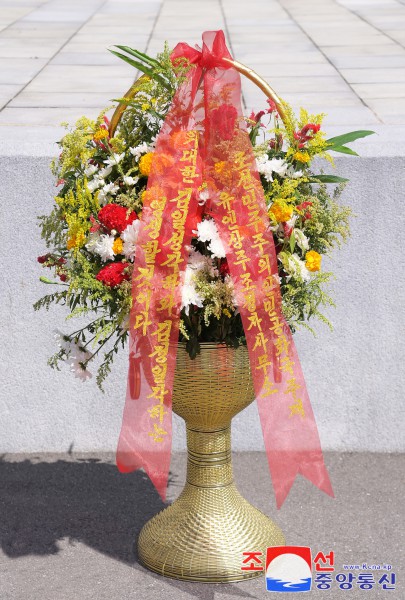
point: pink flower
(272, 106)
(287, 229)
(95, 226)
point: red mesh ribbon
(204, 139)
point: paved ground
(344, 57)
(68, 526)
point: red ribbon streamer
(204, 139)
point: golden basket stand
(203, 534)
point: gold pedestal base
(203, 534)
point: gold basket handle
(242, 69)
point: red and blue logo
(288, 569)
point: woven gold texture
(202, 535)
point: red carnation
(224, 267)
(44, 258)
(223, 120)
(113, 216)
(113, 274)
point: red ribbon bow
(210, 57)
(204, 139)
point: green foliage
(329, 225)
(54, 229)
(301, 300)
(46, 301)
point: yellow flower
(145, 164)
(280, 211)
(302, 157)
(75, 241)
(145, 106)
(100, 134)
(226, 313)
(117, 246)
(71, 242)
(313, 260)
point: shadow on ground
(85, 500)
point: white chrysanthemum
(267, 167)
(217, 248)
(261, 159)
(199, 261)
(130, 180)
(92, 241)
(196, 262)
(294, 174)
(90, 170)
(296, 267)
(279, 166)
(189, 295)
(137, 151)
(207, 232)
(111, 188)
(203, 196)
(130, 236)
(101, 244)
(104, 172)
(108, 189)
(114, 160)
(301, 239)
(94, 184)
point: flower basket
(198, 243)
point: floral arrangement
(91, 233)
